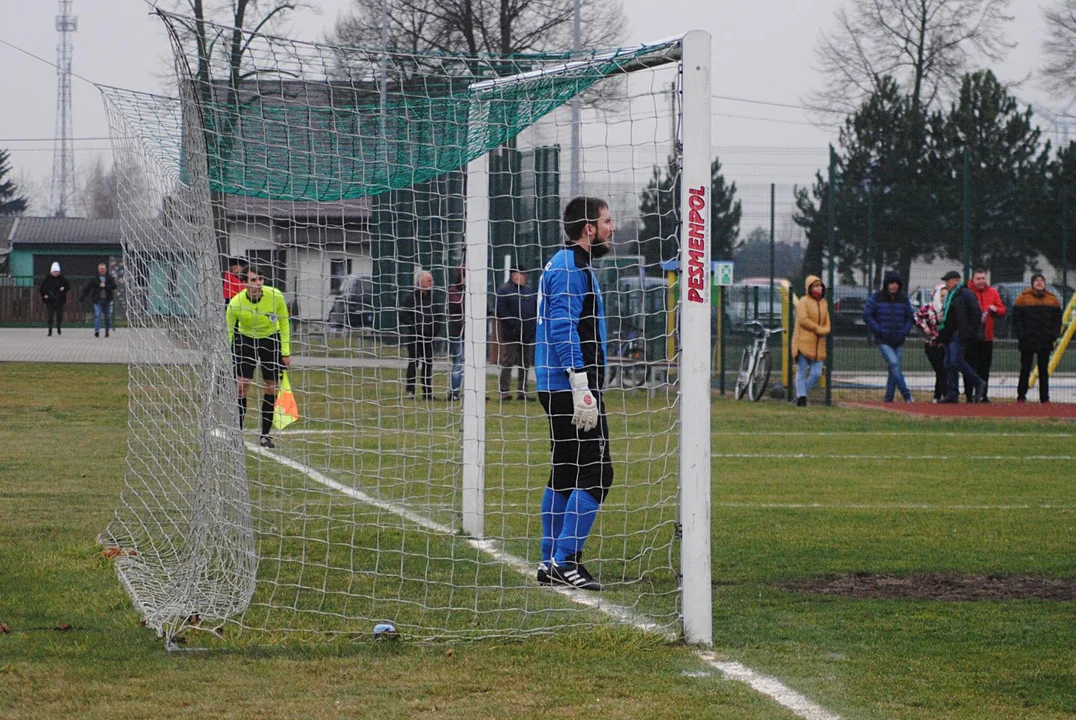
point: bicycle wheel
(744, 376)
(759, 377)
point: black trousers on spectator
(55, 313)
(980, 357)
(1026, 359)
(513, 355)
(936, 356)
(420, 364)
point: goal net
(409, 491)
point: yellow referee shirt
(260, 319)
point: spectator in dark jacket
(517, 313)
(418, 324)
(889, 317)
(1036, 318)
(457, 303)
(100, 290)
(54, 294)
(960, 325)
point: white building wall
(312, 277)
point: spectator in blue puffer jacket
(889, 317)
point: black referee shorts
(581, 460)
(250, 352)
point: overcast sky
(762, 51)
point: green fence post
(721, 335)
(967, 215)
(773, 246)
(831, 232)
(1064, 244)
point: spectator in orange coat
(981, 349)
(809, 340)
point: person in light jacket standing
(809, 340)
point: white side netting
(342, 173)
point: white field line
(885, 506)
(845, 506)
(779, 433)
(768, 686)
(823, 456)
(800, 704)
(644, 455)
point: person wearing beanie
(54, 294)
(1036, 318)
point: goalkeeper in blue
(569, 361)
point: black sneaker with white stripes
(543, 574)
(573, 574)
(266, 442)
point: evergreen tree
(659, 207)
(10, 203)
(1009, 169)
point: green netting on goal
(346, 174)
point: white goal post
(346, 175)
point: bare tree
(499, 28)
(217, 36)
(1059, 47)
(100, 192)
(926, 45)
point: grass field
(798, 496)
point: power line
(47, 62)
(774, 120)
(78, 149)
(51, 139)
(771, 103)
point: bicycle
(755, 365)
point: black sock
(242, 410)
(268, 401)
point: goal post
(410, 491)
(695, 371)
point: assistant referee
(260, 334)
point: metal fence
(20, 302)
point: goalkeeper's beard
(598, 250)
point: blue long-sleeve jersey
(571, 323)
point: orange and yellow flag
(286, 410)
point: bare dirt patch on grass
(939, 586)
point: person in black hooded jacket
(889, 316)
(54, 294)
(960, 325)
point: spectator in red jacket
(981, 350)
(233, 280)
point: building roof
(64, 231)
